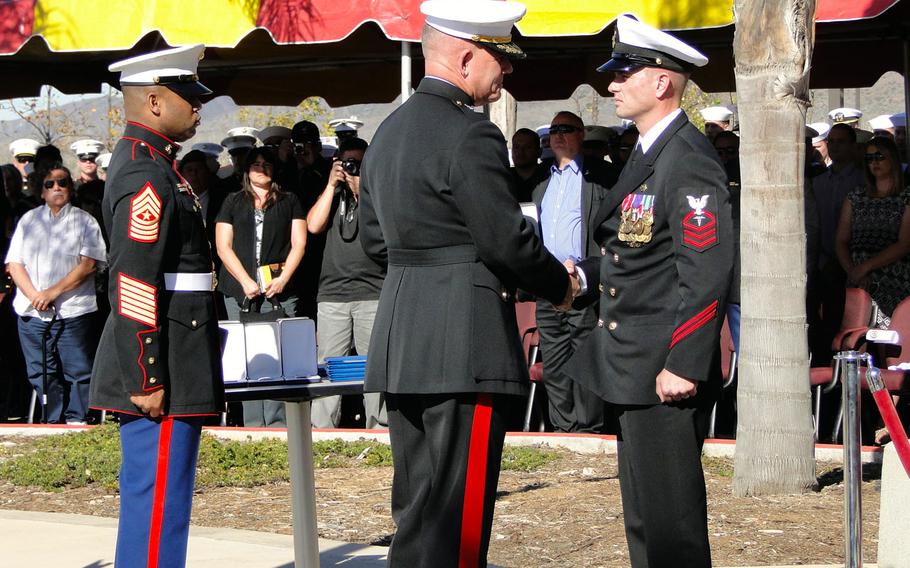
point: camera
(351, 166)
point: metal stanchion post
(853, 472)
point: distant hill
(89, 117)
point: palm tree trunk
(774, 438)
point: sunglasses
(50, 183)
(563, 129)
(25, 159)
(88, 157)
(876, 157)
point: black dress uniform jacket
(155, 338)
(662, 272)
(436, 201)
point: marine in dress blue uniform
(158, 362)
(662, 276)
(436, 204)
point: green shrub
(523, 458)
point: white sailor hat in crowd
(639, 45)
(351, 124)
(845, 115)
(487, 22)
(275, 132)
(899, 119)
(24, 147)
(543, 131)
(821, 130)
(103, 160)
(87, 147)
(173, 68)
(717, 114)
(595, 133)
(209, 148)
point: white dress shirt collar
(647, 140)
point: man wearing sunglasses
(159, 361)
(567, 201)
(23, 151)
(661, 276)
(86, 151)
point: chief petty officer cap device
(487, 22)
(172, 68)
(639, 45)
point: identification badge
(637, 219)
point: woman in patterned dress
(873, 234)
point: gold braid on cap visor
(492, 39)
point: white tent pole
(405, 71)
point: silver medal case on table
(269, 351)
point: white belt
(189, 281)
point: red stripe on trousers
(475, 484)
(164, 451)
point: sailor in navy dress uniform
(662, 276)
(436, 203)
(158, 362)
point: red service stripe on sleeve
(697, 243)
(137, 300)
(145, 214)
(475, 484)
(695, 322)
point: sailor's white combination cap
(845, 115)
(821, 131)
(899, 119)
(717, 114)
(209, 148)
(103, 160)
(274, 131)
(24, 147)
(487, 22)
(173, 68)
(87, 147)
(637, 44)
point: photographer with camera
(350, 282)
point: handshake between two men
(574, 288)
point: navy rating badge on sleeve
(699, 224)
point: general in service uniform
(158, 362)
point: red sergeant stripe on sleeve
(137, 300)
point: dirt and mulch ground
(567, 514)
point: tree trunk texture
(774, 438)
(504, 114)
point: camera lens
(351, 166)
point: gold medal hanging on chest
(636, 219)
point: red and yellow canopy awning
(76, 25)
(280, 51)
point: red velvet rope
(893, 423)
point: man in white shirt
(52, 257)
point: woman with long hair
(260, 234)
(873, 234)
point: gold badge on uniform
(637, 219)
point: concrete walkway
(80, 541)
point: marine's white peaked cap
(346, 124)
(174, 68)
(209, 148)
(274, 131)
(86, 146)
(24, 147)
(488, 22)
(103, 160)
(639, 45)
(717, 114)
(845, 115)
(821, 129)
